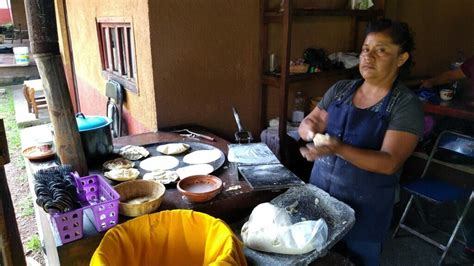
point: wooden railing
(11, 249)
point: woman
(374, 124)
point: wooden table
(457, 108)
(231, 206)
(228, 205)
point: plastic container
(99, 199)
(68, 225)
(22, 55)
(298, 108)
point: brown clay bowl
(139, 197)
(200, 188)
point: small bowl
(200, 188)
(137, 190)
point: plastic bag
(270, 229)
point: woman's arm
(396, 148)
(443, 78)
(313, 123)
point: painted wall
(18, 13)
(206, 59)
(140, 111)
(5, 16)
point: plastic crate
(68, 225)
(99, 200)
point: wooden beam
(11, 249)
(45, 48)
(4, 156)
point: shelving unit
(281, 80)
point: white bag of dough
(269, 229)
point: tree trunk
(45, 48)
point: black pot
(96, 137)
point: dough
(122, 174)
(118, 163)
(269, 229)
(202, 156)
(173, 148)
(133, 153)
(163, 177)
(196, 169)
(164, 162)
(320, 139)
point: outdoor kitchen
(272, 132)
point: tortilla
(202, 156)
(173, 148)
(122, 174)
(119, 163)
(196, 169)
(133, 153)
(163, 177)
(159, 163)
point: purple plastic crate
(96, 194)
(68, 225)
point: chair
(35, 99)
(440, 192)
(114, 93)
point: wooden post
(11, 249)
(45, 48)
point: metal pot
(96, 136)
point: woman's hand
(329, 147)
(313, 123)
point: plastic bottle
(456, 85)
(298, 109)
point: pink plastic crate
(68, 225)
(99, 196)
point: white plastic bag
(269, 229)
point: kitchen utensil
(200, 188)
(96, 137)
(192, 134)
(139, 197)
(241, 136)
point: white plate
(159, 162)
(202, 156)
(196, 169)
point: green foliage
(7, 113)
(34, 243)
(26, 207)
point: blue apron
(371, 195)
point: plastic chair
(440, 192)
(176, 237)
(114, 93)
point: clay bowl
(139, 197)
(200, 188)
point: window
(117, 51)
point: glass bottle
(298, 108)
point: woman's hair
(401, 35)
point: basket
(100, 201)
(68, 225)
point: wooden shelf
(276, 16)
(273, 79)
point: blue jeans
(364, 252)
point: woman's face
(380, 57)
